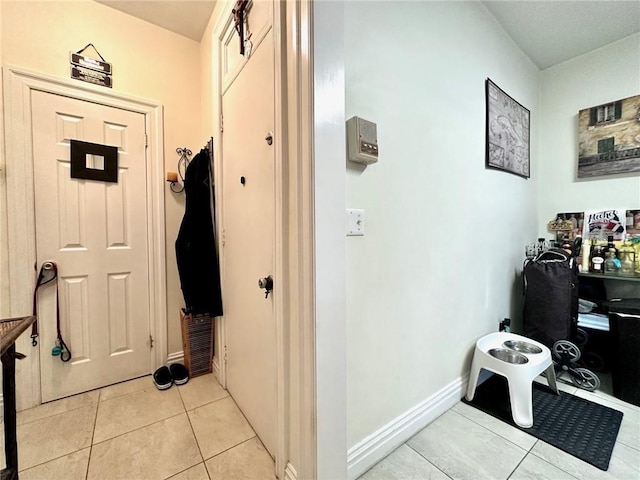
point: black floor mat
(581, 428)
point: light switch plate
(355, 222)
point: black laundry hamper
(551, 312)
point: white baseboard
(364, 455)
(175, 357)
(216, 366)
(290, 472)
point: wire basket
(197, 343)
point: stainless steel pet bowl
(520, 346)
(508, 355)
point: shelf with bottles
(609, 276)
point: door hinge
(221, 123)
(146, 141)
(223, 240)
(150, 341)
(224, 354)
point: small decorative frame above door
(508, 133)
(609, 138)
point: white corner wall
(329, 249)
(439, 264)
(601, 76)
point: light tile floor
(196, 432)
(133, 431)
(468, 444)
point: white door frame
(298, 441)
(286, 286)
(18, 84)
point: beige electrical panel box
(362, 140)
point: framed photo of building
(609, 138)
(508, 133)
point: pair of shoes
(176, 373)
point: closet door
(248, 220)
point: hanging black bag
(551, 297)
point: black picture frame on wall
(92, 161)
(508, 144)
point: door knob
(266, 284)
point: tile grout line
(69, 453)
(53, 414)
(139, 428)
(189, 468)
(158, 421)
(557, 466)
(255, 435)
(93, 432)
(426, 459)
(195, 437)
(232, 447)
(496, 433)
(519, 463)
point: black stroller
(551, 312)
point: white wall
(149, 62)
(604, 75)
(329, 55)
(444, 243)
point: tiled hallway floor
(468, 444)
(133, 431)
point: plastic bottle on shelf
(585, 257)
(627, 258)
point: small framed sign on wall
(508, 135)
(92, 161)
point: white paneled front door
(97, 233)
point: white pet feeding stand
(519, 359)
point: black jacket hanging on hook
(196, 251)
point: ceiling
(185, 17)
(548, 31)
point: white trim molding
(364, 455)
(18, 84)
(290, 473)
(175, 357)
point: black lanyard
(49, 273)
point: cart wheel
(563, 350)
(585, 379)
(582, 337)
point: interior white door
(248, 252)
(96, 232)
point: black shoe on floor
(162, 378)
(179, 373)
